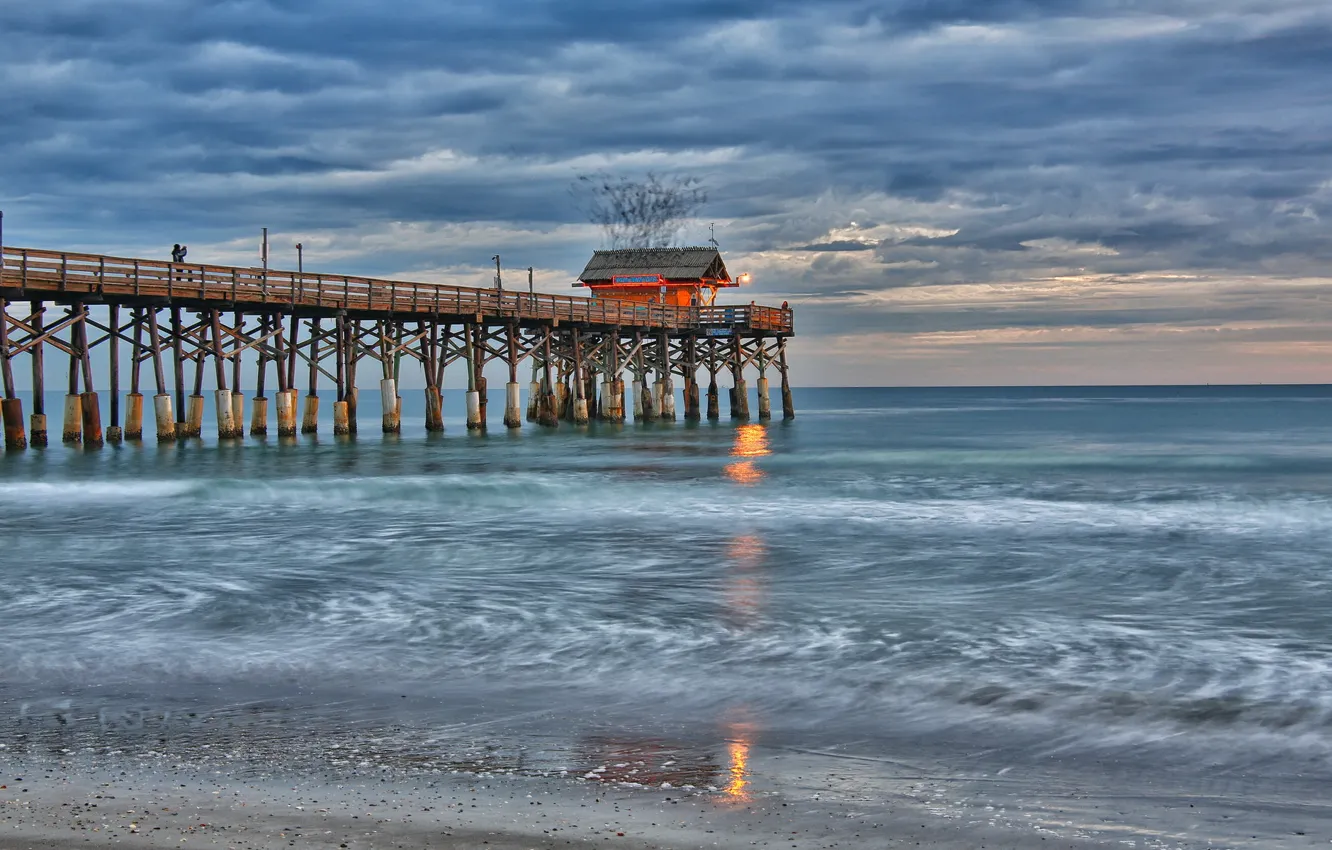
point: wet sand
(155, 810)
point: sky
(948, 192)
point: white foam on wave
(82, 492)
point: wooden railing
(95, 274)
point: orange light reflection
(751, 441)
(740, 738)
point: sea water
(1098, 582)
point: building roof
(690, 264)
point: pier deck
(579, 348)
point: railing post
(64, 271)
(136, 277)
(233, 286)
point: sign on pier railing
(100, 275)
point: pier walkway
(174, 315)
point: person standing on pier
(178, 253)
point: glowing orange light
(737, 789)
(739, 741)
(750, 441)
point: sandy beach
(167, 810)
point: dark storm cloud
(1027, 137)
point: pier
(190, 325)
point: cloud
(853, 150)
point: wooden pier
(176, 319)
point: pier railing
(37, 272)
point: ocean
(1004, 593)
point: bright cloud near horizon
(949, 192)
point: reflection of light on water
(744, 588)
(750, 441)
(737, 789)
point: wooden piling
(548, 414)
(11, 408)
(88, 406)
(512, 402)
(310, 417)
(114, 433)
(72, 427)
(134, 401)
(164, 413)
(474, 421)
(714, 400)
(739, 392)
(580, 385)
(434, 419)
(788, 404)
(764, 401)
(226, 423)
(178, 356)
(37, 429)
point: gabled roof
(671, 263)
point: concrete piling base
(115, 434)
(388, 397)
(194, 410)
(512, 406)
(72, 432)
(286, 414)
(237, 414)
(636, 399)
(692, 410)
(92, 419)
(549, 414)
(11, 410)
(533, 400)
(474, 422)
(788, 404)
(259, 418)
(667, 396)
(658, 404)
(607, 402)
(764, 401)
(714, 402)
(164, 415)
(434, 410)
(580, 411)
(353, 398)
(134, 416)
(341, 427)
(226, 423)
(740, 401)
(37, 429)
(310, 417)
(618, 390)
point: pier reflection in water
(751, 441)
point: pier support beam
(434, 410)
(739, 392)
(788, 404)
(163, 411)
(310, 418)
(388, 397)
(114, 433)
(764, 401)
(134, 416)
(89, 408)
(72, 430)
(714, 398)
(11, 408)
(580, 385)
(475, 419)
(513, 417)
(286, 413)
(134, 401)
(37, 425)
(341, 423)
